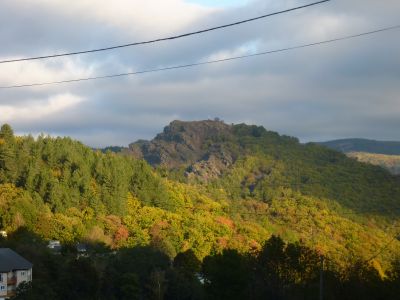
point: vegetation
(203, 220)
(278, 270)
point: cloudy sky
(347, 89)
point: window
(1, 277)
(2, 288)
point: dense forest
(206, 210)
(278, 270)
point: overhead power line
(310, 214)
(166, 38)
(375, 255)
(204, 62)
(384, 248)
(271, 212)
(393, 210)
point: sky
(346, 89)
(219, 3)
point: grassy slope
(389, 162)
(364, 145)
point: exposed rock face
(211, 166)
(196, 145)
(206, 149)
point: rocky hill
(203, 149)
(247, 160)
(182, 143)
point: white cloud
(37, 110)
(38, 72)
(157, 16)
(245, 49)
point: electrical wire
(309, 213)
(379, 252)
(357, 211)
(166, 38)
(384, 248)
(205, 62)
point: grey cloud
(349, 89)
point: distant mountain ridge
(389, 162)
(364, 145)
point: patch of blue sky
(219, 3)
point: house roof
(10, 260)
(81, 247)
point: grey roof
(10, 260)
(81, 247)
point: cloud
(349, 88)
(219, 3)
(39, 72)
(36, 111)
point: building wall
(10, 287)
(3, 284)
(19, 276)
(23, 275)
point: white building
(54, 246)
(14, 269)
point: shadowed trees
(279, 271)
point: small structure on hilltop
(14, 269)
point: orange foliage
(222, 242)
(225, 221)
(156, 230)
(254, 246)
(121, 234)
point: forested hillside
(205, 188)
(251, 162)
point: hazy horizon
(150, 137)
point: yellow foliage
(378, 267)
(133, 204)
(56, 173)
(96, 234)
